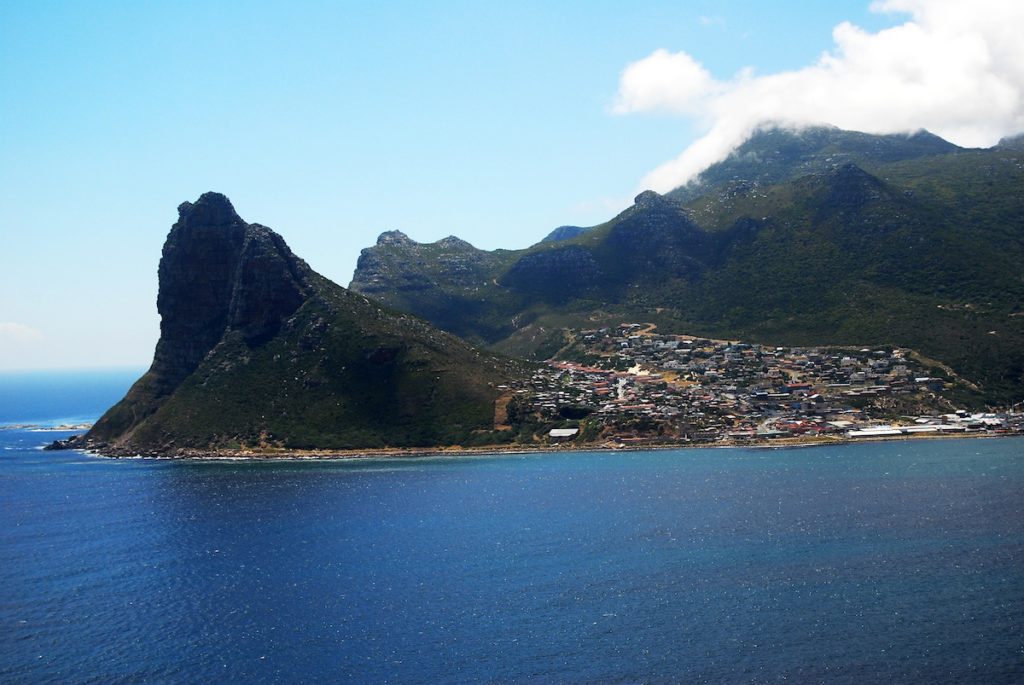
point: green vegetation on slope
(343, 374)
(824, 237)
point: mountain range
(810, 237)
(800, 238)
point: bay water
(886, 562)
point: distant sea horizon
(56, 396)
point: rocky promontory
(258, 350)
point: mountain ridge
(918, 235)
(777, 154)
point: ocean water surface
(889, 562)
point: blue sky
(329, 122)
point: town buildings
(631, 384)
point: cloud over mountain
(954, 68)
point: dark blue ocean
(889, 563)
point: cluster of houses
(631, 384)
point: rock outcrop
(256, 348)
(218, 272)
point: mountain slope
(777, 155)
(563, 233)
(258, 349)
(450, 283)
(918, 244)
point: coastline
(275, 454)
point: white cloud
(598, 210)
(955, 68)
(665, 81)
(21, 346)
(711, 21)
(18, 334)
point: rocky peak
(211, 209)
(850, 172)
(454, 243)
(649, 198)
(218, 272)
(1015, 142)
(394, 238)
(655, 230)
(850, 186)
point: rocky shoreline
(77, 442)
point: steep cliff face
(553, 275)
(218, 272)
(656, 239)
(256, 348)
(447, 282)
(484, 296)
